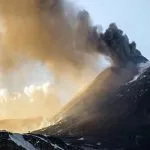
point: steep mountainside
(122, 120)
(112, 113)
(98, 105)
(123, 123)
(115, 108)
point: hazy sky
(132, 16)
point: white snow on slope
(54, 145)
(20, 141)
(141, 69)
(57, 147)
(40, 138)
(81, 139)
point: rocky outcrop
(14, 141)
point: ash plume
(55, 34)
(45, 31)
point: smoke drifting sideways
(30, 95)
(35, 101)
(47, 31)
(53, 33)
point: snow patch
(141, 69)
(56, 146)
(20, 141)
(98, 143)
(134, 79)
(40, 138)
(81, 139)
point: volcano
(115, 107)
(109, 99)
(112, 113)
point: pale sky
(132, 16)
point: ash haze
(45, 34)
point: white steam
(33, 102)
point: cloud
(35, 101)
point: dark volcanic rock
(115, 109)
(13, 141)
(121, 119)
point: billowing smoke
(19, 99)
(47, 31)
(51, 33)
(35, 101)
(54, 34)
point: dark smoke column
(113, 42)
(117, 46)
